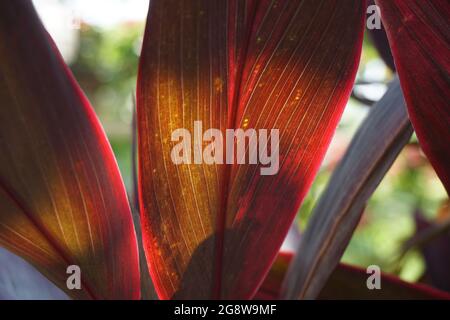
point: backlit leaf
(213, 230)
(62, 200)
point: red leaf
(214, 230)
(373, 149)
(418, 33)
(349, 282)
(62, 200)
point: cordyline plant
(213, 231)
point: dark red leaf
(349, 282)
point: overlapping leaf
(373, 150)
(418, 32)
(62, 200)
(213, 230)
(350, 282)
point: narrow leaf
(62, 200)
(371, 153)
(213, 230)
(418, 33)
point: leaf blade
(63, 200)
(371, 153)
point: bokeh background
(101, 41)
